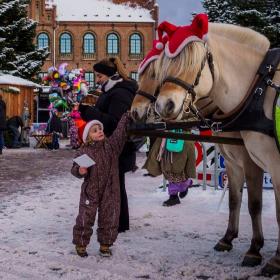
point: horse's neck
(235, 68)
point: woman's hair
(111, 63)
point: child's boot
(184, 193)
(173, 200)
(81, 251)
(105, 250)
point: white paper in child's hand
(84, 161)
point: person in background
(117, 94)
(14, 124)
(74, 118)
(177, 167)
(55, 127)
(151, 141)
(100, 190)
(2, 122)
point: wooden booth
(16, 92)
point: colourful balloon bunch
(66, 87)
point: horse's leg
(254, 180)
(264, 153)
(235, 182)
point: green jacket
(181, 165)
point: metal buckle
(216, 127)
(259, 91)
(269, 68)
(269, 82)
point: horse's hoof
(221, 246)
(269, 270)
(252, 260)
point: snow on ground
(163, 243)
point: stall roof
(13, 80)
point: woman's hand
(82, 170)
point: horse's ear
(166, 27)
(200, 25)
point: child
(177, 167)
(74, 121)
(100, 189)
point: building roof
(13, 80)
(98, 11)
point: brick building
(85, 31)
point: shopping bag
(175, 145)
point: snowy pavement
(38, 209)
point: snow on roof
(13, 80)
(98, 10)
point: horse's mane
(242, 35)
(188, 61)
(148, 72)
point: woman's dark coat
(109, 108)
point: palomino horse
(237, 54)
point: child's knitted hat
(88, 126)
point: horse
(144, 97)
(237, 53)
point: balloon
(62, 68)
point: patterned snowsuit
(100, 189)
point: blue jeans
(55, 141)
(2, 143)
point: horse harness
(249, 115)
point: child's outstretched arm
(118, 138)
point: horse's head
(144, 97)
(183, 79)
(147, 82)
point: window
(43, 40)
(134, 76)
(89, 44)
(135, 44)
(89, 77)
(65, 43)
(112, 44)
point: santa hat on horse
(180, 36)
(153, 54)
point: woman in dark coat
(2, 122)
(118, 92)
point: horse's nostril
(170, 106)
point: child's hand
(82, 170)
